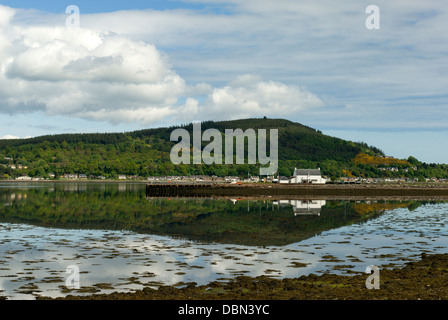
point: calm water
(122, 241)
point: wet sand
(426, 279)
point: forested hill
(147, 153)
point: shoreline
(426, 279)
(72, 181)
(266, 191)
(249, 184)
(299, 191)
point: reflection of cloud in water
(127, 261)
(111, 257)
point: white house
(24, 178)
(313, 176)
(71, 176)
(283, 179)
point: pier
(300, 191)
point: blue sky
(100, 5)
(139, 64)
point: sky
(132, 65)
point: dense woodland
(147, 153)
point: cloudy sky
(141, 64)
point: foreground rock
(426, 279)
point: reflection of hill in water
(366, 207)
(245, 222)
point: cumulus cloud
(84, 55)
(103, 76)
(6, 14)
(84, 73)
(9, 137)
(117, 71)
(249, 95)
(391, 73)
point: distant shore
(392, 185)
(73, 181)
(380, 191)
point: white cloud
(9, 137)
(6, 15)
(388, 79)
(314, 43)
(115, 68)
(105, 76)
(85, 73)
(249, 95)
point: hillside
(147, 153)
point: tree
(413, 161)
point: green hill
(147, 153)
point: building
(231, 179)
(24, 178)
(284, 179)
(313, 176)
(71, 176)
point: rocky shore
(426, 279)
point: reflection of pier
(303, 207)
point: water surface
(122, 241)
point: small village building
(71, 176)
(254, 179)
(231, 179)
(284, 179)
(313, 176)
(200, 178)
(24, 178)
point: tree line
(147, 153)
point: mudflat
(426, 279)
